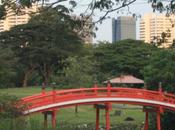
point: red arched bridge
(48, 102)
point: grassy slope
(86, 114)
(22, 92)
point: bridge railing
(54, 96)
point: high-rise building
(12, 19)
(123, 27)
(153, 25)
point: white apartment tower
(153, 25)
(12, 19)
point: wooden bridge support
(97, 118)
(53, 118)
(158, 112)
(107, 107)
(146, 126)
(45, 120)
(107, 116)
(158, 120)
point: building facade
(153, 25)
(12, 19)
(123, 27)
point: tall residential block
(12, 19)
(123, 27)
(153, 25)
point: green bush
(10, 107)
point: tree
(7, 67)
(80, 72)
(123, 57)
(161, 69)
(105, 6)
(10, 107)
(161, 41)
(42, 46)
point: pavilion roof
(126, 79)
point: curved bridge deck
(63, 98)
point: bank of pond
(28, 124)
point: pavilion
(126, 80)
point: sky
(105, 29)
(104, 33)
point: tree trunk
(46, 79)
(24, 83)
(46, 76)
(26, 76)
(46, 72)
(76, 109)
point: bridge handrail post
(146, 124)
(108, 88)
(158, 118)
(54, 92)
(43, 88)
(53, 119)
(96, 87)
(161, 96)
(43, 92)
(107, 114)
(160, 92)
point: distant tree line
(50, 51)
(104, 7)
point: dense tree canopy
(41, 46)
(48, 44)
(123, 57)
(9, 107)
(161, 69)
(7, 67)
(105, 6)
(80, 72)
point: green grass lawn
(22, 92)
(86, 113)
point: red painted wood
(53, 119)
(146, 121)
(107, 117)
(60, 96)
(158, 120)
(97, 118)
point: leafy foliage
(123, 57)
(79, 72)
(7, 71)
(41, 46)
(10, 107)
(168, 120)
(161, 41)
(105, 6)
(161, 69)
(2, 11)
(161, 7)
